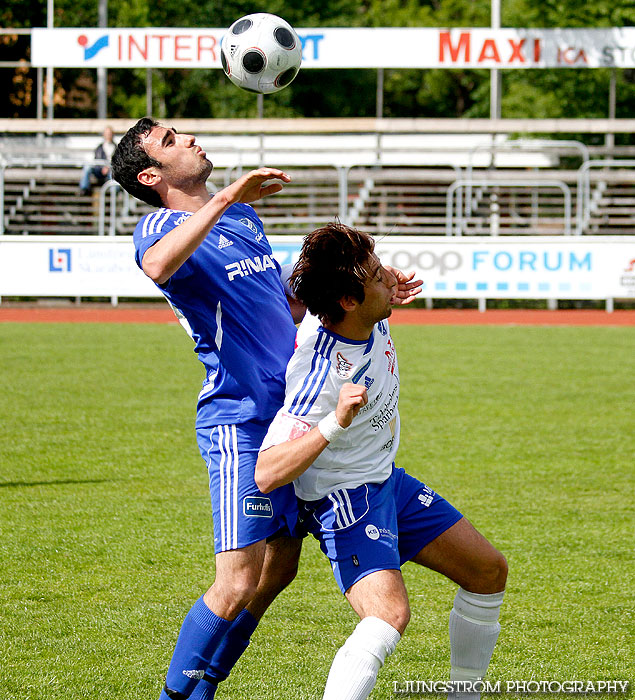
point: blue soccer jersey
(229, 297)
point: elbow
(265, 480)
(155, 266)
(155, 271)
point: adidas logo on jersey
(224, 242)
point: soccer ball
(261, 53)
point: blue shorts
(242, 514)
(376, 526)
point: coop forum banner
(531, 267)
(416, 47)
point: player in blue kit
(336, 438)
(212, 261)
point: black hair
(130, 158)
(332, 266)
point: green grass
(105, 523)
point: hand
(407, 289)
(352, 398)
(249, 187)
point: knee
(232, 594)
(494, 572)
(398, 616)
(403, 619)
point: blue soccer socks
(200, 636)
(227, 654)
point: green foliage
(408, 93)
(106, 528)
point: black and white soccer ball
(261, 53)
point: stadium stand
(406, 183)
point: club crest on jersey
(224, 242)
(257, 507)
(249, 266)
(342, 366)
(250, 225)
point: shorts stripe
(221, 471)
(349, 506)
(235, 493)
(228, 473)
(336, 510)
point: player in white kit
(336, 438)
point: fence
(400, 177)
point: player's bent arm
(167, 255)
(281, 464)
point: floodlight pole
(495, 74)
(102, 73)
(50, 22)
(609, 139)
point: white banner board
(532, 267)
(379, 47)
(61, 266)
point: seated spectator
(101, 172)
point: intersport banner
(379, 47)
(531, 267)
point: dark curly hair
(331, 266)
(130, 158)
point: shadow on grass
(55, 482)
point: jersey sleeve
(312, 393)
(152, 228)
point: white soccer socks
(354, 669)
(474, 630)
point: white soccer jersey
(321, 364)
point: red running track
(96, 313)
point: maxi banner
(360, 47)
(532, 267)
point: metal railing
(583, 201)
(38, 164)
(458, 228)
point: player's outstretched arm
(282, 463)
(407, 287)
(167, 255)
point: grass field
(106, 528)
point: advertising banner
(532, 267)
(379, 47)
(71, 266)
